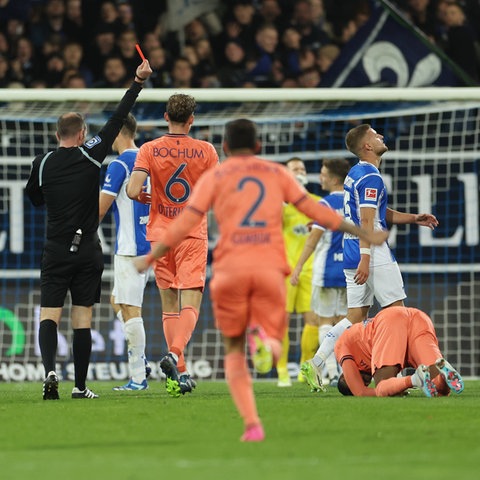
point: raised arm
(332, 220)
(99, 146)
(400, 218)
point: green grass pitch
(148, 435)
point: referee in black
(67, 182)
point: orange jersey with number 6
(174, 162)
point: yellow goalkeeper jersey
(295, 233)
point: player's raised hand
(426, 220)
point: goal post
(432, 165)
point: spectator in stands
(102, 48)
(53, 44)
(73, 79)
(422, 16)
(181, 74)
(160, 77)
(126, 48)
(461, 42)
(150, 41)
(23, 66)
(5, 78)
(73, 15)
(307, 59)
(195, 31)
(290, 52)
(233, 73)
(261, 62)
(114, 74)
(109, 17)
(309, 78)
(73, 57)
(54, 21)
(4, 45)
(125, 14)
(312, 36)
(15, 29)
(326, 55)
(55, 69)
(243, 16)
(319, 18)
(206, 65)
(11, 9)
(269, 11)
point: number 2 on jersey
(248, 220)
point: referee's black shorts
(80, 272)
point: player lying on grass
(248, 287)
(381, 347)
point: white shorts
(385, 283)
(128, 284)
(329, 301)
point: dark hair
(180, 107)
(129, 128)
(294, 159)
(69, 124)
(343, 387)
(338, 167)
(355, 136)
(241, 134)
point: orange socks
(239, 383)
(170, 322)
(178, 329)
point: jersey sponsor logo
(177, 152)
(370, 194)
(93, 141)
(300, 230)
(143, 220)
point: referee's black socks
(47, 339)
(82, 348)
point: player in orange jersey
(249, 265)
(395, 338)
(175, 162)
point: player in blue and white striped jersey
(329, 296)
(365, 205)
(131, 218)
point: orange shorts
(244, 297)
(183, 267)
(405, 340)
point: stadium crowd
(243, 43)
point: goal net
(432, 166)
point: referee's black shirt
(67, 180)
